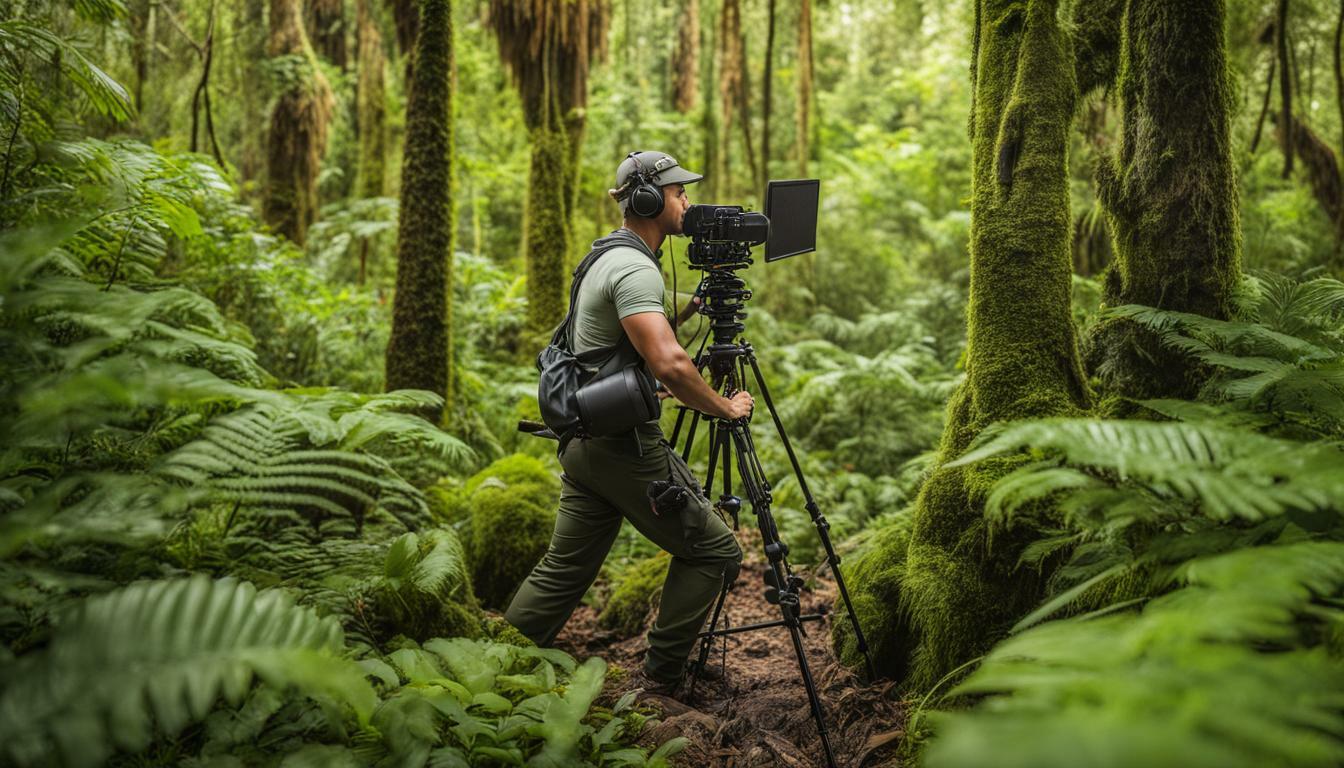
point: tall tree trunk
(710, 148)
(767, 81)
(1170, 194)
(1285, 86)
(802, 143)
(730, 83)
(418, 352)
(958, 595)
(298, 135)
(326, 20)
(252, 34)
(370, 103)
(686, 58)
(548, 50)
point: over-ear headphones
(646, 197)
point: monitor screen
(792, 209)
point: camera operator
(643, 480)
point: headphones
(646, 197)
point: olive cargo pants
(606, 480)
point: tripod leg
(753, 481)
(823, 527)
(708, 639)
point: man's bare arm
(654, 340)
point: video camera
(722, 235)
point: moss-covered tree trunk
(548, 48)
(1170, 192)
(326, 20)
(418, 350)
(370, 104)
(956, 592)
(298, 132)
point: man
(606, 479)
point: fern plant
(1286, 358)
(153, 657)
(1229, 670)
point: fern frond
(1219, 673)
(1229, 473)
(156, 656)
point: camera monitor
(791, 207)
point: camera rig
(721, 240)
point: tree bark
(1170, 194)
(298, 134)
(418, 352)
(955, 595)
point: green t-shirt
(622, 282)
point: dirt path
(758, 714)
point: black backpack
(601, 392)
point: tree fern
(155, 656)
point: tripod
(727, 360)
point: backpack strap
(616, 356)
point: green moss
(515, 469)
(959, 590)
(497, 629)
(874, 578)
(424, 590)
(635, 595)
(510, 529)
(545, 238)
(418, 348)
(1170, 193)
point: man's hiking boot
(710, 673)
(652, 686)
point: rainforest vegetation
(1065, 375)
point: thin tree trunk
(802, 143)
(767, 82)
(370, 104)
(1285, 87)
(686, 59)
(418, 351)
(1264, 105)
(730, 78)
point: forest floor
(758, 713)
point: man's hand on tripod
(739, 406)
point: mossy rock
(516, 469)
(498, 629)
(510, 530)
(635, 595)
(874, 582)
(451, 500)
(424, 590)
